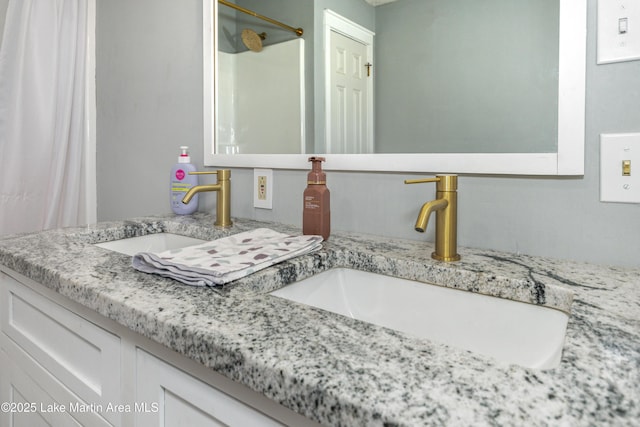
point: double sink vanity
(356, 333)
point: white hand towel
(226, 259)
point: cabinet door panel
(178, 411)
(32, 406)
(175, 398)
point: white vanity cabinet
(64, 365)
(58, 362)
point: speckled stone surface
(339, 371)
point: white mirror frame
(569, 160)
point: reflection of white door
(348, 95)
(349, 86)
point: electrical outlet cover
(263, 188)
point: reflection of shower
(253, 40)
(298, 31)
(246, 108)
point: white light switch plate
(618, 30)
(615, 148)
(263, 188)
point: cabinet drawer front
(80, 354)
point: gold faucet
(446, 207)
(223, 200)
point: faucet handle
(223, 174)
(421, 180)
(445, 182)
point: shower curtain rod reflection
(298, 31)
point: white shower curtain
(43, 130)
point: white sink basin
(150, 243)
(509, 331)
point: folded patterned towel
(226, 259)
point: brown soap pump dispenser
(316, 215)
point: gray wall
(3, 11)
(469, 76)
(149, 96)
(149, 80)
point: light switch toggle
(623, 25)
(626, 167)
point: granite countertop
(340, 371)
